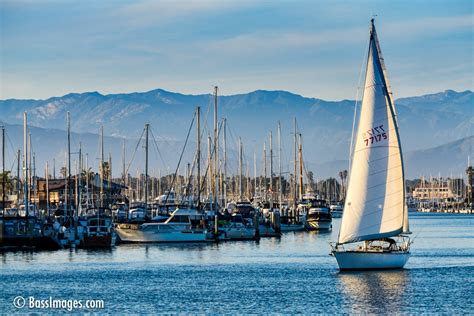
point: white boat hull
(336, 214)
(138, 236)
(359, 260)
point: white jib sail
(375, 201)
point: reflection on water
(374, 291)
(289, 275)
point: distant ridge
(425, 121)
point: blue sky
(313, 48)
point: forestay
(375, 201)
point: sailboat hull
(359, 260)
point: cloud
(150, 12)
(433, 26)
(274, 42)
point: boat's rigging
(180, 158)
(135, 151)
(157, 148)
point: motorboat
(184, 225)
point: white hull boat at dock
(184, 225)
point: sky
(313, 48)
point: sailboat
(375, 218)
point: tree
(5, 176)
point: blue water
(293, 274)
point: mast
(66, 186)
(147, 126)
(101, 169)
(295, 184)
(198, 154)
(123, 162)
(301, 165)
(215, 150)
(25, 163)
(69, 158)
(109, 181)
(47, 189)
(18, 186)
(76, 186)
(271, 171)
(3, 170)
(87, 180)
(79, 206)
(255, 173)
(241, 185)
(30, 181)
(34, 184)
(280, 189)
(209, 163)
(247, 180)
(225, 162)
(264, 172)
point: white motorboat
(184, 225)
(237, 228)
(375, 218)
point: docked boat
(184, 225)
(236, 227)
(374, 226)
(98, 230)
(318, 215)
(336, 210)
(25, 232)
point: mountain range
(436, 129)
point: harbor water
(291, 274)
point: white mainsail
(375, 201)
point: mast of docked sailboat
(300, 151)
(18, 185)
(255, 174)
(215, 151)
(47, 189)
(225, 162)
(295, 182)
(69, 161)
(264, 172)
(25, 163)
(101, 169)
(271, 171)
(280, 187)
(79, 206)
(241, 185)
(198, 155)
(147, 126)
(109, 181)
(3, 170)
